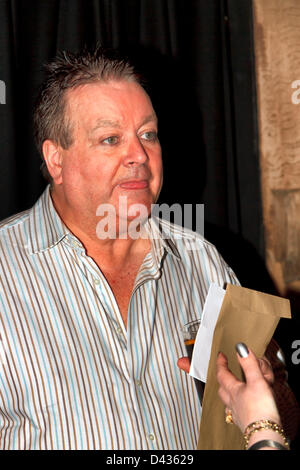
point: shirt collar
(46, 228)
(160, 240)
(160, 246)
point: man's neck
(114, 253)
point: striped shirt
(71, 375)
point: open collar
(46, 229)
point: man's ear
(53, 157)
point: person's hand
(184, 364)
(251, 400)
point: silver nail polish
(242, 350)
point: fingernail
(242, 350)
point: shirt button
(139, 384)
(151, 437)
(96, 281)
(119, 330)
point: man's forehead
(104, 88)
(116, 123)
(101, 112)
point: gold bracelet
(263, 424)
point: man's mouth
(134, 184)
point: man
(91, 325)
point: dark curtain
(198, 57)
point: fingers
(254, 370)
(251, 367)
(224, 376)
(226, 379)
(184, 364)
(266, 369)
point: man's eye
(112, 140)
(151, 136)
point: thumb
(184, 364)
(250, 366)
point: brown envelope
(246, 316)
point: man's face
(115, 150)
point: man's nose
(136, 154)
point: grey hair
(70, 70)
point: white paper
(203, 343)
